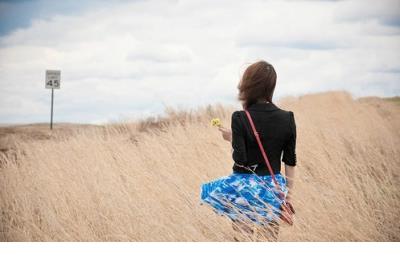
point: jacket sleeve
(289, 150)
(239, 154)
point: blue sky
(16, 14)
(130, 59)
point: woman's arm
(289, 173)
(239, 154)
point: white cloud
(134, 58)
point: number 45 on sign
(53, 79)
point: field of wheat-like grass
(140, 180)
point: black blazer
(277, 130)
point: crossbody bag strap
(264, 154)
(287, 212)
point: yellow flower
(216, 122)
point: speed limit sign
(53, 79)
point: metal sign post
(53, 81)
(52, 103)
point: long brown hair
(258, 82)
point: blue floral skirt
(245, 196)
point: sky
(131, 59)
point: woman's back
(277, 130)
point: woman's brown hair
(258, 82)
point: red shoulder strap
(286, 214)
(257, 136)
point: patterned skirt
(245, 196)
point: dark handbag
(287, 209)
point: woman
(250, 194)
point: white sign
(53, 79)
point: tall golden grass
(140, 181)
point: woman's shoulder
(289, 117)
(237, 115)
(287, 113)
(286, 116)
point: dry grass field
(140, 180)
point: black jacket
(277, 130)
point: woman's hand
(226, 133)
(289, 204)
(290, 207)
